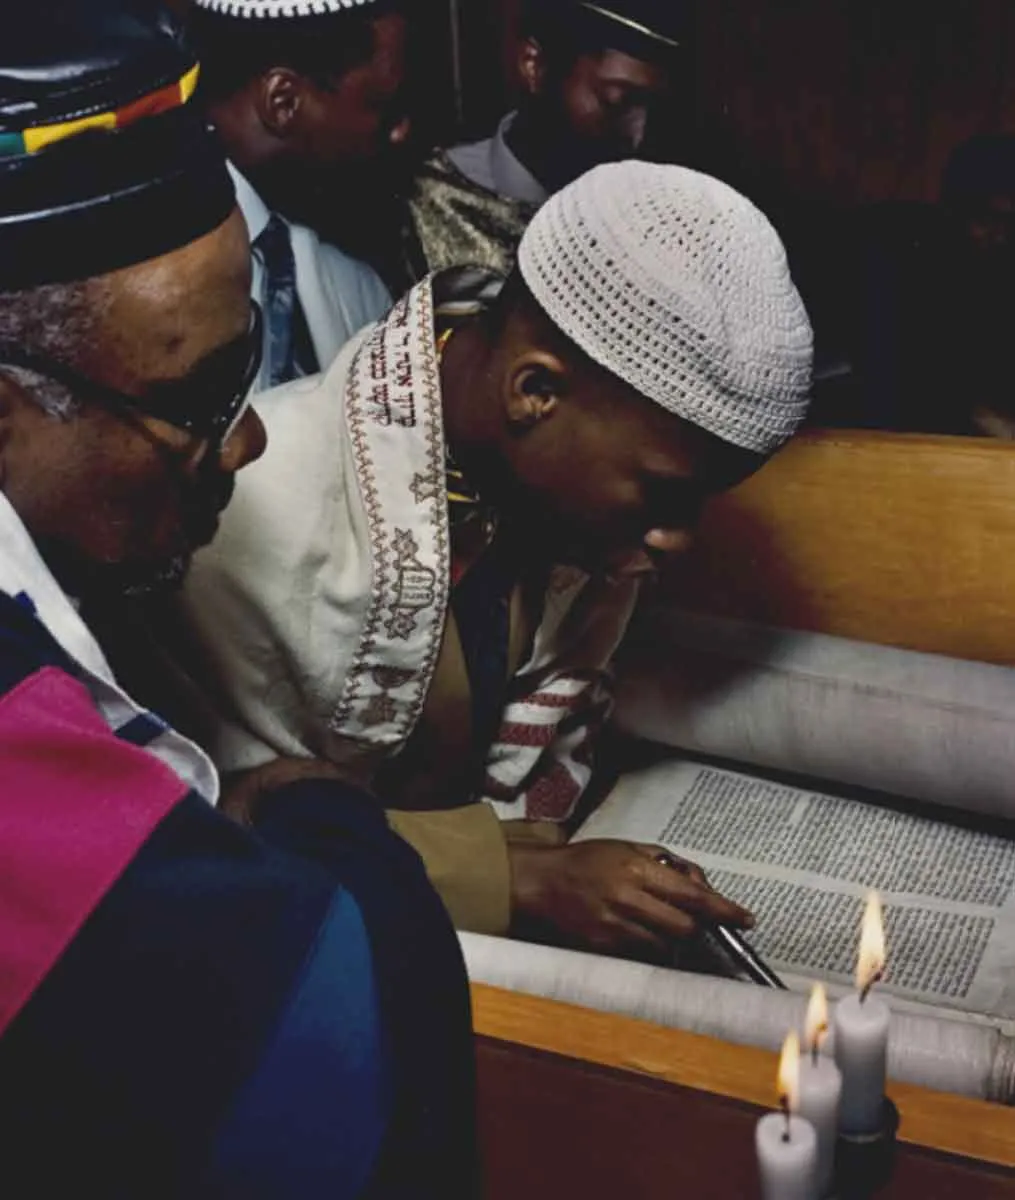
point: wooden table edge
(937, 1121)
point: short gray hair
(57, 320)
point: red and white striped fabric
(542, 761)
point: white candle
(861, 1034)
(786, 1144)
(861, 1050)
(788, 1164)
(820, 1088)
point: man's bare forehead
(161, 317)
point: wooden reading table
(894, 539)
(578, 1105)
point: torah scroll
(802, 860)
(933, 729)
(950, 1056)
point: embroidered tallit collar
(459, 295)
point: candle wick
(865, 992)
(819, 1035)
(784, 1104)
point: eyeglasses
(193, 404)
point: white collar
(255, 212)
(24, 575)
(23, 572)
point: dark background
(837, 101)
(837, 118)
(840, 101)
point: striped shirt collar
(25, 577)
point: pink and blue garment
(191, 1009)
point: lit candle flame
(789, 1073)
(870, 965)
(816, 1024)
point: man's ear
(531, 66)
(537, 384)
(279, 98)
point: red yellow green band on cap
(31, 141)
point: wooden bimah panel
(896, 539)
(575, 1103)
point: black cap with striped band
(105, 160)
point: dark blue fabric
(430, 1149)
(272, 1147)
(133, 1050)
(132, 1056)
(142, 730)
(289, 352)
(25, 644)
(26, 602)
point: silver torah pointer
(736, 948)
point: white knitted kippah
(679, 286)
(279, 8)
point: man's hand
(613, 897)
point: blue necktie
(288, 351)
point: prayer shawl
(187, 1009)
(322, 605)
(454, 222)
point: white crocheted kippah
(279, 8)
(679, 286)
